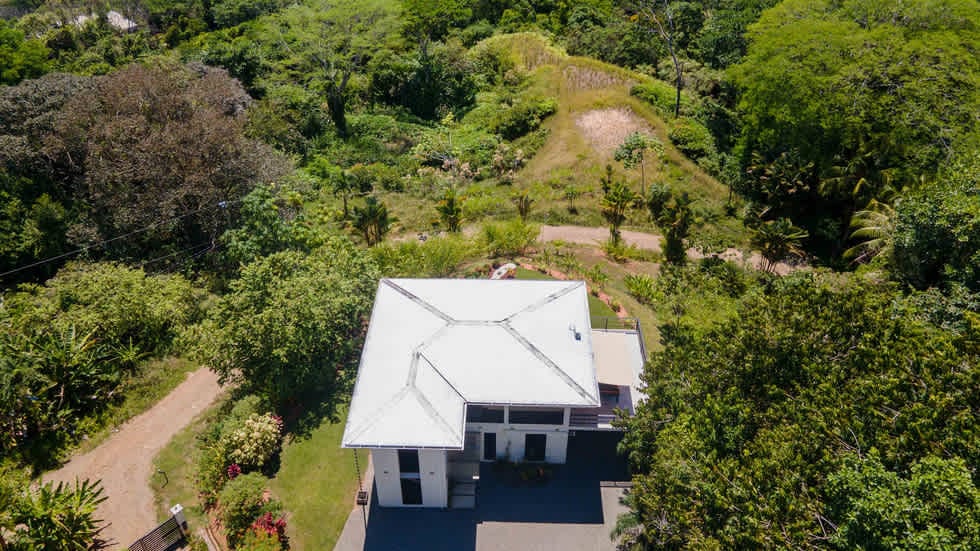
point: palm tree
(615, 205)
(372, 220)
(778, 239)
(875, 227)
(61, 517)
(450, 209)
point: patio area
(575, 509)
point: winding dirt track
(124, 461)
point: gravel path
(124, 461)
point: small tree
(657, 199)
(572, 192)
(334, 177)
(632, 152)
(450, 209)
(615, 205)
(675, 221)
(373, 220)
(523, 201)
(776, 240)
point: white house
(459, 371)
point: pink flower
(233, 471)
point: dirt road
(595, 236)
(124, 461)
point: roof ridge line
(547, 361)
(427, 405)
(439, 373)
(551, 297)
(418, 300)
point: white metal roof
(434, 345)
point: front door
(489, 446)
(535, 446)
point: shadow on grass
(304, 413)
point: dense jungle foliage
(223, 181)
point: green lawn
(316, 481)
(316, 484)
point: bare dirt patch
(124, 461)
(606, 129)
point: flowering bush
(241, 501)
(255, 441)
(233, 471)
(259, 541)
(273, 526)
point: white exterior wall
(435, 479)
(432, 473)
(387, 483)
(510, 438)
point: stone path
(124, 461)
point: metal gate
(165, 537)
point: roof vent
(575, 332)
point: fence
(166, 537)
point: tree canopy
(855, 95)
(748, 424)
(292, 325)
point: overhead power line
(220, 204)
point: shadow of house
(571, 496)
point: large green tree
(292, 325)
(746, 421)
(858, 94)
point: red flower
(233, 471)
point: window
(411, 491)
(408, 461)
(537, 416)
(535, 446)
(483, 414)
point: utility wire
(220, 204)
(198, 249)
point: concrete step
(464, 489)
(462, 502)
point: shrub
(642, 287)
(255, 440)
(523, 117)
(692, 138)
(511, 238)
(619, 251)
(435, 257)
(212, 473)
(269, 525)
(661, 95)
(256, 540)
(242, 501)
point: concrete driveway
(575, 510)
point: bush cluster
(512, 238)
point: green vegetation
(796, 397)
(228, 180)
(317, 483)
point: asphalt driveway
(575, 510)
